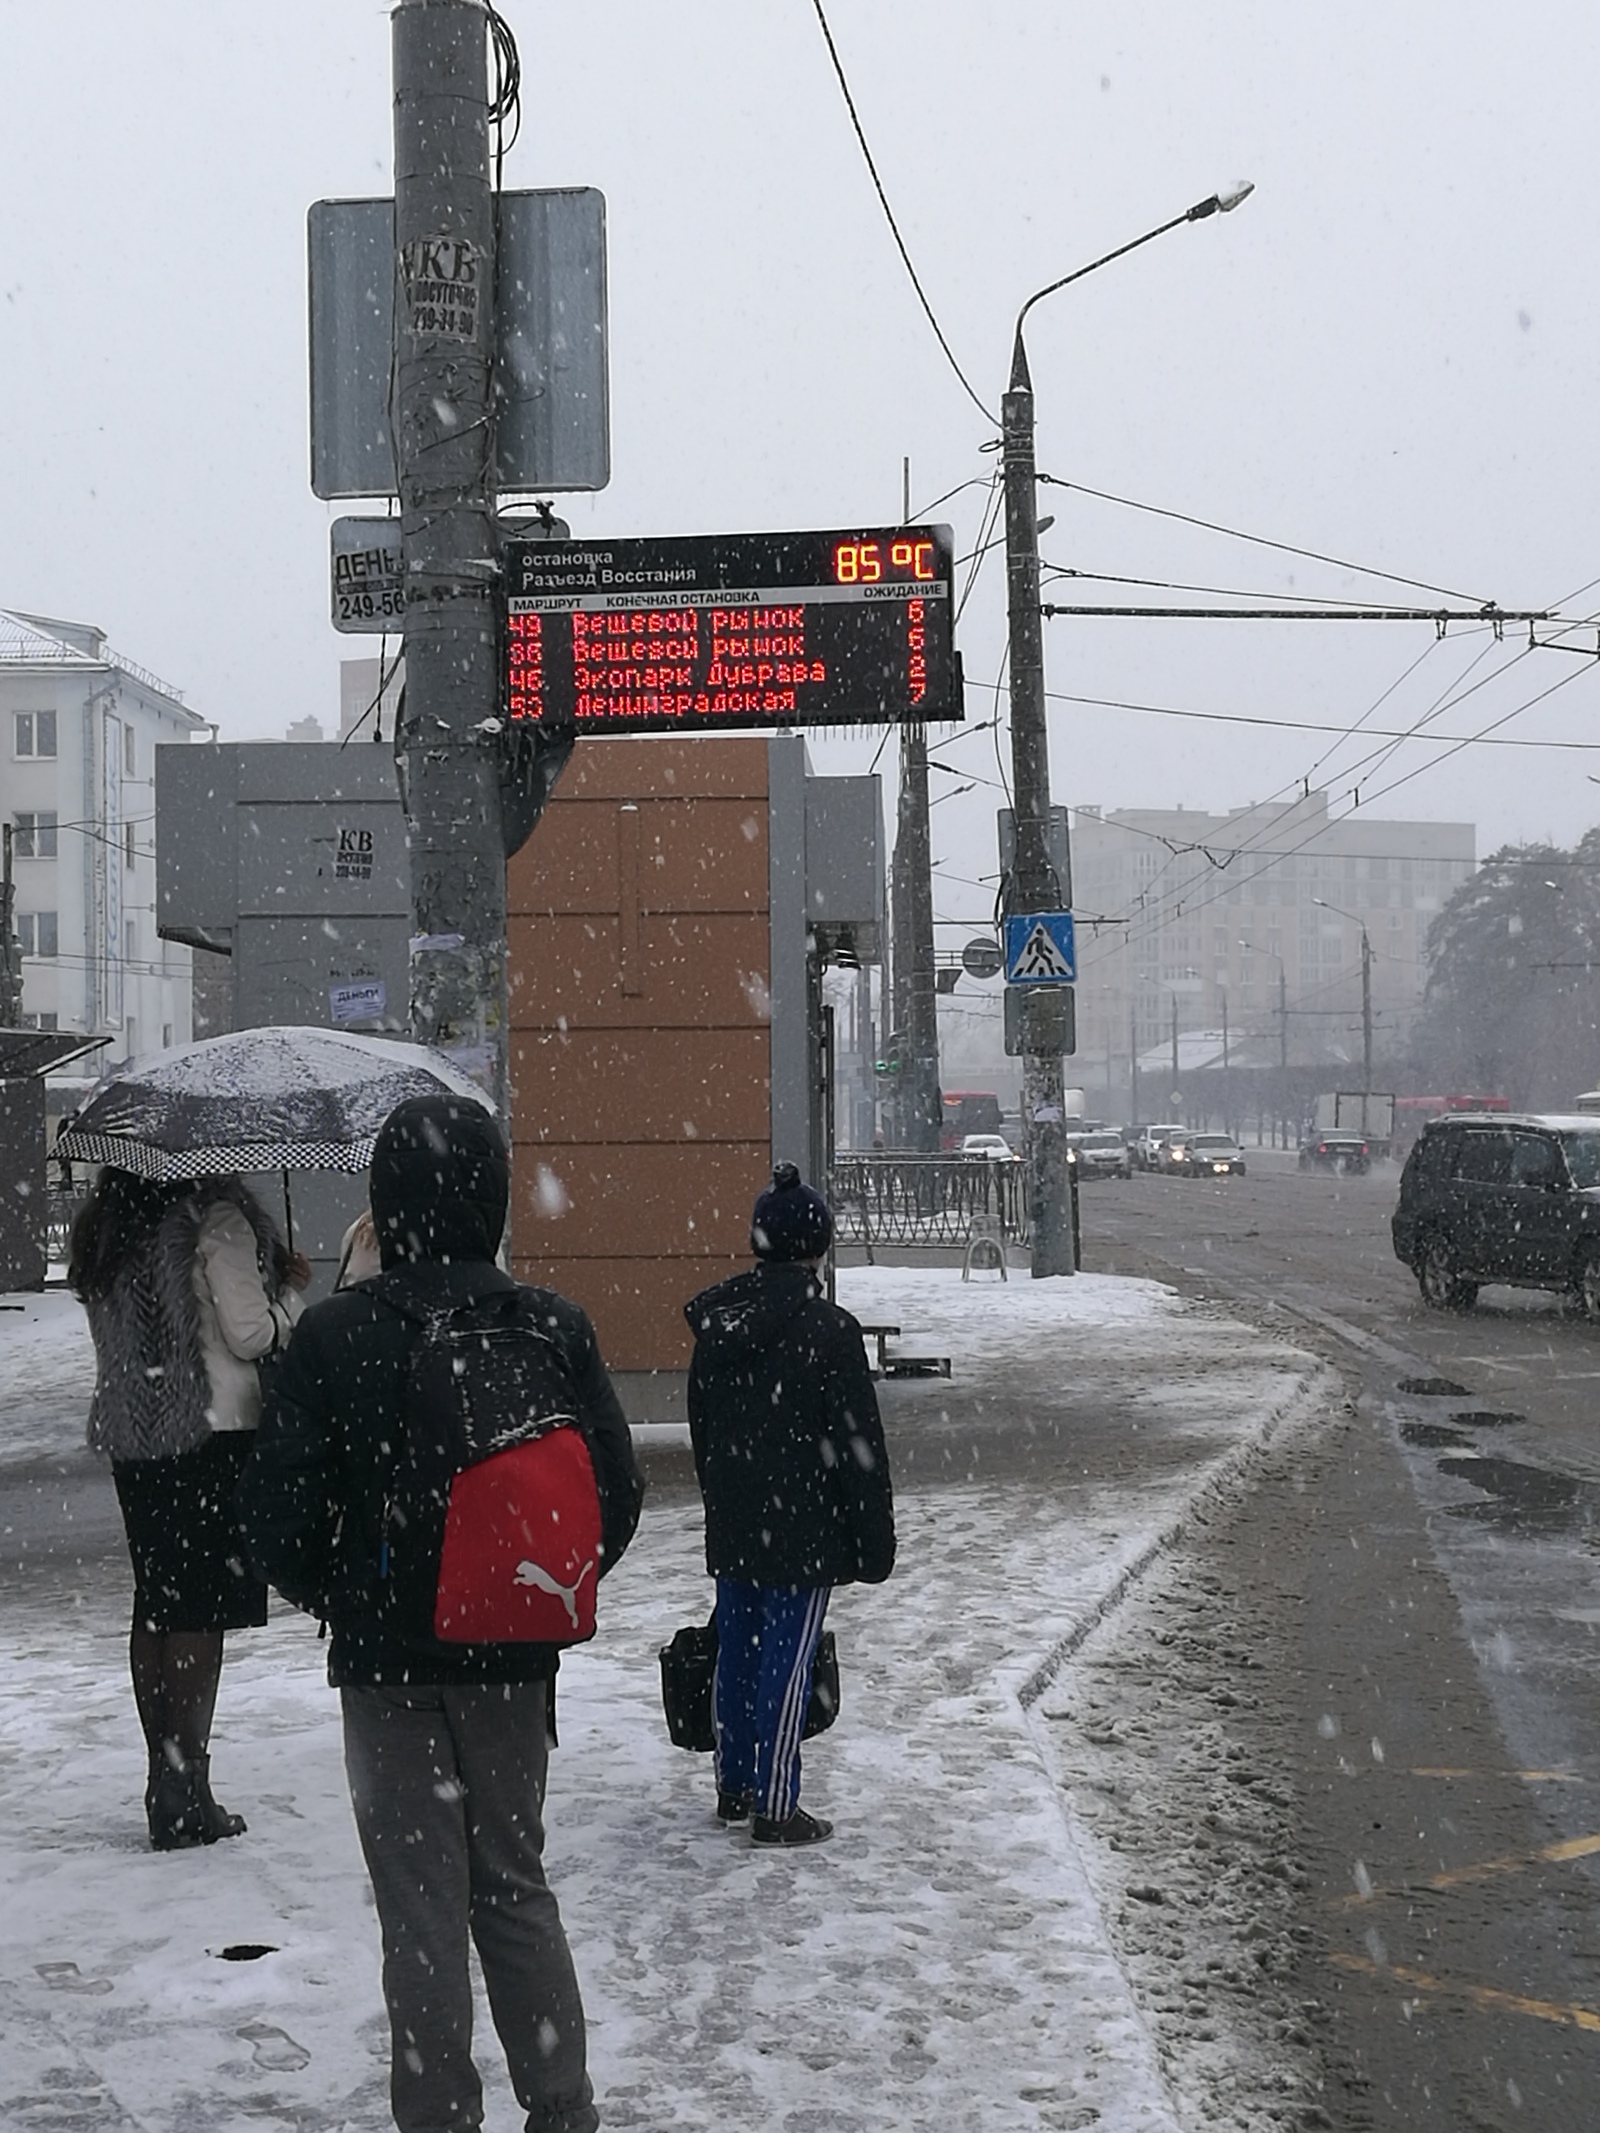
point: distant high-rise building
(1191, 916)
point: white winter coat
(237, 1323)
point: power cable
(1205, 902)
(1303, 725)
(1171, 906)
(505, 106)
(974, 481)
(1310, 555)
(894, 227)
(991, 512)
(1220, 592)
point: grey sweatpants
(448, 1790)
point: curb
(1315, 1389)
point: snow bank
(986, 1311)
(46, 1376)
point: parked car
(1147, 1148)
(1342, 1152)
(1205, 1155)
(1487, 1197)
(989, 1148)
(1103, 1155)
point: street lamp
(1033, 883)
(1366, 999)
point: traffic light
(892, 1064)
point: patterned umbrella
(261, 1099)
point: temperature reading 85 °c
(871, 562)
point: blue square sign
(1039, 948)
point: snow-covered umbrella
(260, 1099)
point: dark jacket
(787, 1439)
(313, 1495)
(153, 1393)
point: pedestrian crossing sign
(1039, 948)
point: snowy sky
(1385, 355)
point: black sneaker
(800, 1828)
(734, 1806)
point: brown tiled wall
(641, 1105)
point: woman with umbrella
(187, 1287)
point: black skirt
(190, 1568)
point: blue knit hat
(790, 1220)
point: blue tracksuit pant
(766, 1641)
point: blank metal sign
(552, 418)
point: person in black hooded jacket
(789, 1449)
(445, 1747)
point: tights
(175, 1675)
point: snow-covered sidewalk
(46, 1376)
(940, 1966)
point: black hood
(752, 1309)
(440, 1181)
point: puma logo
(536, 1574)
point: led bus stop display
(761, 629)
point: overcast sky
(1386, 355)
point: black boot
(215, 1821)
(172, 1804)
(800, 1828)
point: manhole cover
(1435, 1388)
(246, 1951)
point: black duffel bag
(688, 1665)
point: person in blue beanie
(789, 1450)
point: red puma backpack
(491, 1528)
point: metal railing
(924, 1199)
(61, 1211)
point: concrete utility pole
(1338, 911)
(919, 1108)
(1033, 884)
(1366, 1022)
(1133, 1064)
(920, 1105)
(444, 230)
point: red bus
(968, 1111)
(1412, 1113)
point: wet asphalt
(1426, 1581)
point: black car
(1344, 1152)
(1502, 1199)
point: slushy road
(1422, 1601)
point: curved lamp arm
(1216, 204)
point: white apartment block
(79, 726)
(1224, 921)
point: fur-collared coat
(177, 1335)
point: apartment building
(79, 726)
(1250, 922)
